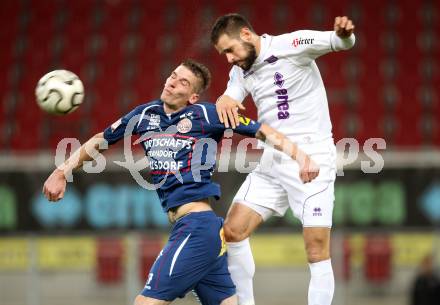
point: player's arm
(343, 36)
(55, 185)
(228, 104)
(308, 45)
(309, 170)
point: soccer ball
(59, 92)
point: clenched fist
(55, 186)
(344, 27)
(308, 169)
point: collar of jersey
(174, 113)
(265, 41)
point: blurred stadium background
(96, 246)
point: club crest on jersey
(184, 126)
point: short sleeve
(116, 131)
(235, 88)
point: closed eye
(228, 50)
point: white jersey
(286, 85)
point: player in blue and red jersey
(178, 136)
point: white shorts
(275, 185)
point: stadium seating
(387, 86)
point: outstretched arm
(227, 110)
(309, 170)
(55, 185)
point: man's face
(180, 88)
(238, 52)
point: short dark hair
(200, 71)
(229, 24)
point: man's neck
(171, 110)
(257, 44)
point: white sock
(242, 268)
(322, 283)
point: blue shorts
(194, 258)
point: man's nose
(230, 58)
(172, 83)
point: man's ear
(194, 98)
(246, 34)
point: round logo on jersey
(184, 125)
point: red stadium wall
(386, 86)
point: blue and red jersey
(181, 147)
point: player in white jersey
(281, 75)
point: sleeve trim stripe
(143, 113)
(205, 113)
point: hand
(227, 110)
(55, 186)
(309, 170)
(344, 27)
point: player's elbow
(141, 300)
(233, 234)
